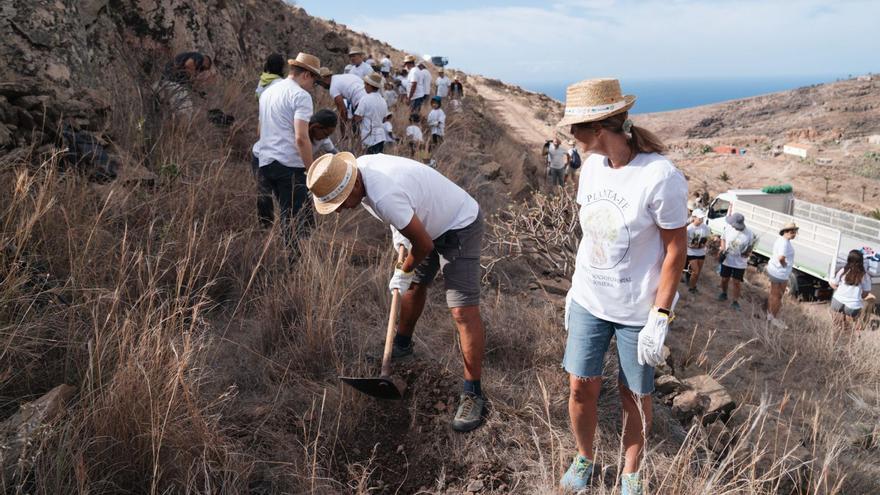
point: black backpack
(575, 162)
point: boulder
(558, 288)
(491, 170)
(667, 384)
(720, 402)
(689, 404)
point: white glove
(399, 239)
(652, 337)
(401, 280)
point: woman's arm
(675, 244)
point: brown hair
(641, 140)
(854, 271)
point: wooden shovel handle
(392, 320)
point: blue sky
(564, 40)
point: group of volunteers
(562, 163)
(633, 211)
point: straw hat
(789, 226)
(331, 179)
(409, 59)
(594, 99)
(355, 51)
(324, 72)
(375, 80)
(308, 62)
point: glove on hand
(401, 280)
(651, 339)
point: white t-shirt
(361, 71)
(398, 188)
(390, 96)
(403, 87)
(349, 86)
(620, 255)
(280, 105)
(697, 237)
(737, 244)
(323, 147)
(437, 121)
(782, 247)
(389, 131)
(556, 156)
(851, 295)
(425, 74)
(386, 64)
(414, 133)
(373, 109)
(442, 86)
(415, 76)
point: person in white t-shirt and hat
(416, 87)
(698, 234)
(442, 228)
(442, 82)
(284, 150)
(779, 268)
(633, 212)
(346, 90)
(357, 66)
(370, 115)
(737, 242)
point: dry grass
(205, 363)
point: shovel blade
(380, 388)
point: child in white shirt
(436, 122)
(414, 134)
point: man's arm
(422, 244)
(675, 243)
(303, 143)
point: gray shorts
(557, 176)
(775, 280)
(457, 254)
(839, 307)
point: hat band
(341, 187)
(580, 111)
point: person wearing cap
(416, 91)
(285, 149)
(736, 247)
(779, 269)
(442, 226)
(370, 113)
(357, 66)
(436, 122)
(442, 83)
(633, 213)
(698, 234)
(347, 90)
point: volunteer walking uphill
(441, 226)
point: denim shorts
(588, 341)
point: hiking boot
(401, 352)
(631, 484)
(693, 290)
(470, 412)
(735, 305)
(577, 477)
(722, 296)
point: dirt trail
(516, 112)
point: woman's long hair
(854, 271)
(640, 139)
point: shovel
(385, 386)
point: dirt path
(515, 112)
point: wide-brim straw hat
(355, 51)
(593, 100)
(737, 221)
(789, 226)
(324, 72)
(375, 80)
(331, 179)
(308, 62)
(409, 59)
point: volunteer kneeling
(633, 211)
(441, 225)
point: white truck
(825, 238)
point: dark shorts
(839, 307)
(457, 254)
(736, 273)
(695, 258)
(416, 104)
(375, 149)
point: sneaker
(577, 477)
(693, 290)
(722, 296)
(470, 412)
(401, 352)
(735, 305)
(631, 484)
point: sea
(660, 95)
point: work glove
(401, 280)
(652, 337)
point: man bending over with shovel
(442, 226)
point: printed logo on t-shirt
(605, 228)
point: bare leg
(473, 341)
(583, 401)
(411, 306)
(638, 414)
(737, 288)
(774, 302)
(696, 267)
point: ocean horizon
(661, 95)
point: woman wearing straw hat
(633, 212)
(442, 224)
(778, 270)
